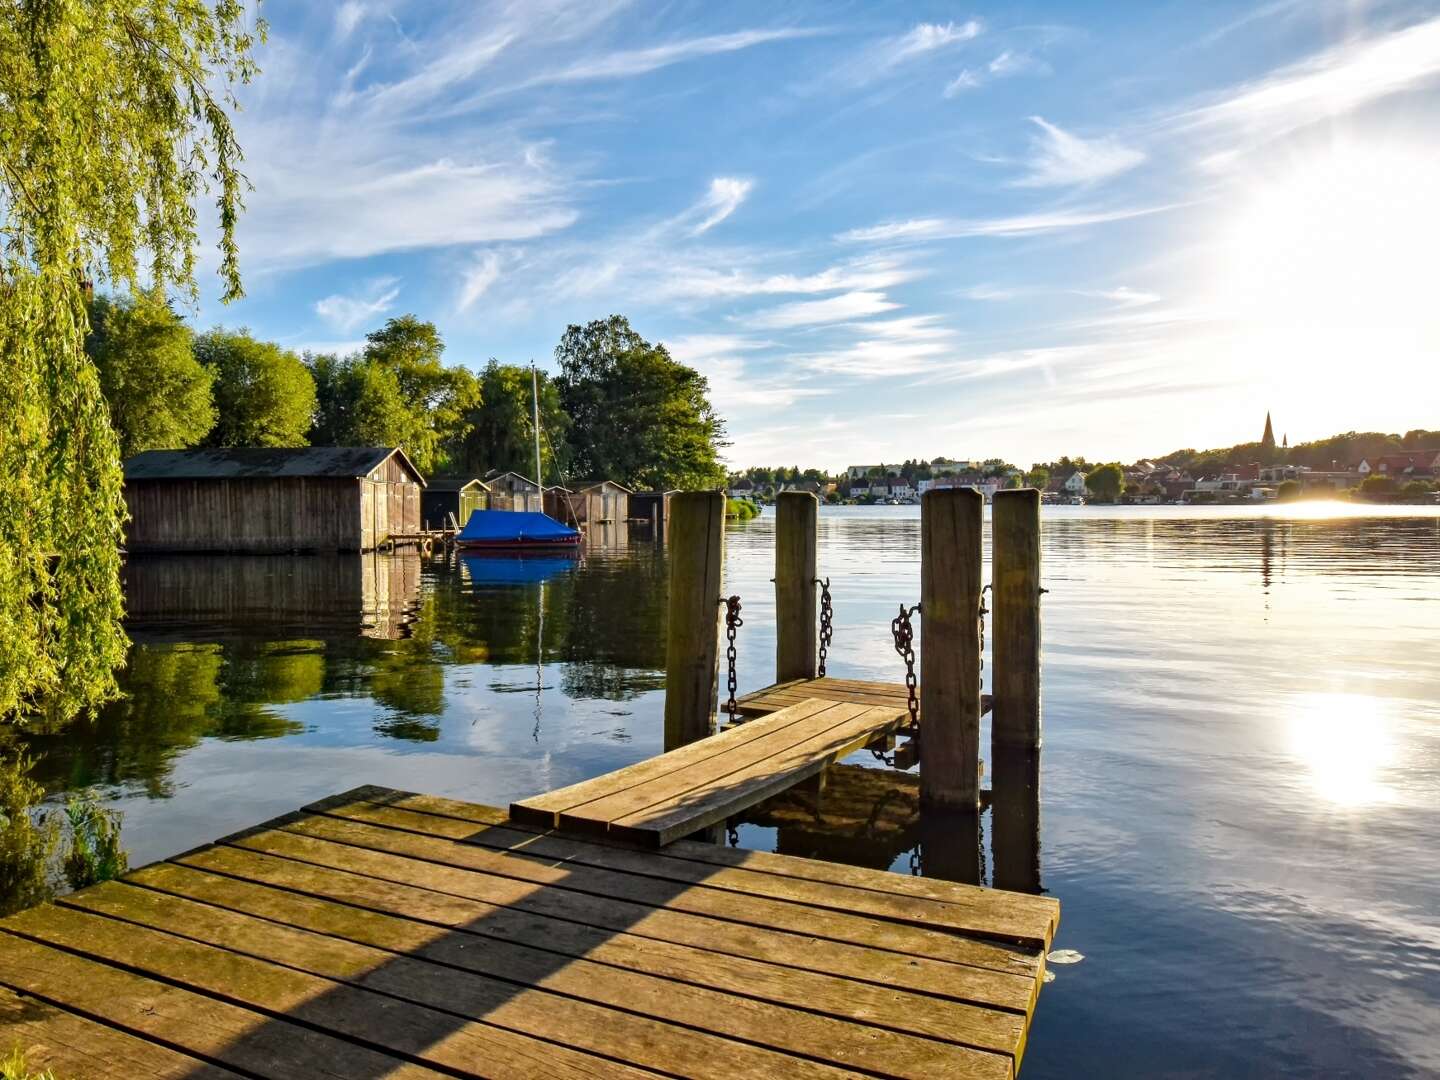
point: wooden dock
(379, 933)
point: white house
(1075, 483)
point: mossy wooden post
(795, 628)
(1015, 619)
(950, 525)
(696, 546)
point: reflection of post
(950, 843)
(693, 635)
(1015, 583)
(950, 524)
(1015, 807)
(795, 513)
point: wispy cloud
(476, 279)
(843, 308)
(1123, 295)
(1004, 65)
(1334, 82)
(348, 16)
(723, 199)
(875, 358)
(1041, 222)
(1059, 158)
(631, 62)
(966, 80)
(927, 38)
(733, 382)
(345, 313)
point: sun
(1327, 265)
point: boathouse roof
(263, 463)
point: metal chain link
(732, 834)
(732, 623)
(983, 612)
(827, 628)
(904, 634)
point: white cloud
(966, 80)
(348, 16)
(696, 280)
(1060, 158)
(732, 384)
(843, 308)
(990, 292)
(1034, 224)
(906, 328)
(345, 313)
(1009, 63)
(631, 62)
(877, 358)
(476, 279)
(1334, 82)
(927, 37)
(1123, 296)
(724, 197)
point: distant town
(1367, 466)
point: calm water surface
(1240, 807)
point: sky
(881, 230)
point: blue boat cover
(517, 569)
(513, 526)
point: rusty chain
(982, 613)
(732, 623)
(904, 634)
(827, 628)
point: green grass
(13, 1068)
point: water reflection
(1347, 744)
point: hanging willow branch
(110, 132)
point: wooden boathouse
(452, 496)
(512, 491)
(598, 502)
(270, 500)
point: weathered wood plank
(49, 1038)
(663, 823)
(246, 1040)
(692, 639)
(971, 909)
(558, 984)
(568, 1017)
(544, 809)
(796, 631)
(1015, 578)
(782, 695)
(703, 791)
(1009, 982)
(382, 1023)
(237, 878)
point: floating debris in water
(1065, 956)
(1049, 976)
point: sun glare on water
(1346, 743)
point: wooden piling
(696, 540)
(951, 520)
(795, 612)
(1015, 619)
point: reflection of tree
(408, 676)
(613, 641)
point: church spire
(1267, 441)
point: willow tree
(114, 125)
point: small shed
(511, 491)
(270, 499)
(600, 501)
(562, 505)
(457, 495)
(652, 507)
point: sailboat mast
(535, 405)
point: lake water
(1240, 783)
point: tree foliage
(158, 394)
(264, 395)
(501, 427)
(1105, 482)
(638, 416)
(110, 133)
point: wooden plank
(1009, 981)
(696, 550)
(1029, 919)
(796, 632)
(663, 823)
(784, 694)
(950, 530)
(425, 1035)
(224, 876)
(543, 810)
(556, 982)
(49, 1038)
(220, 1031)
(697, 784)
(913, 941)
(565, 1018)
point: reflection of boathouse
(191, 597)
(267, 499)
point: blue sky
(882, 230)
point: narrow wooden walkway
(383, 934)
(676, 794)
(784, 694)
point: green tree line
(621, 408)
